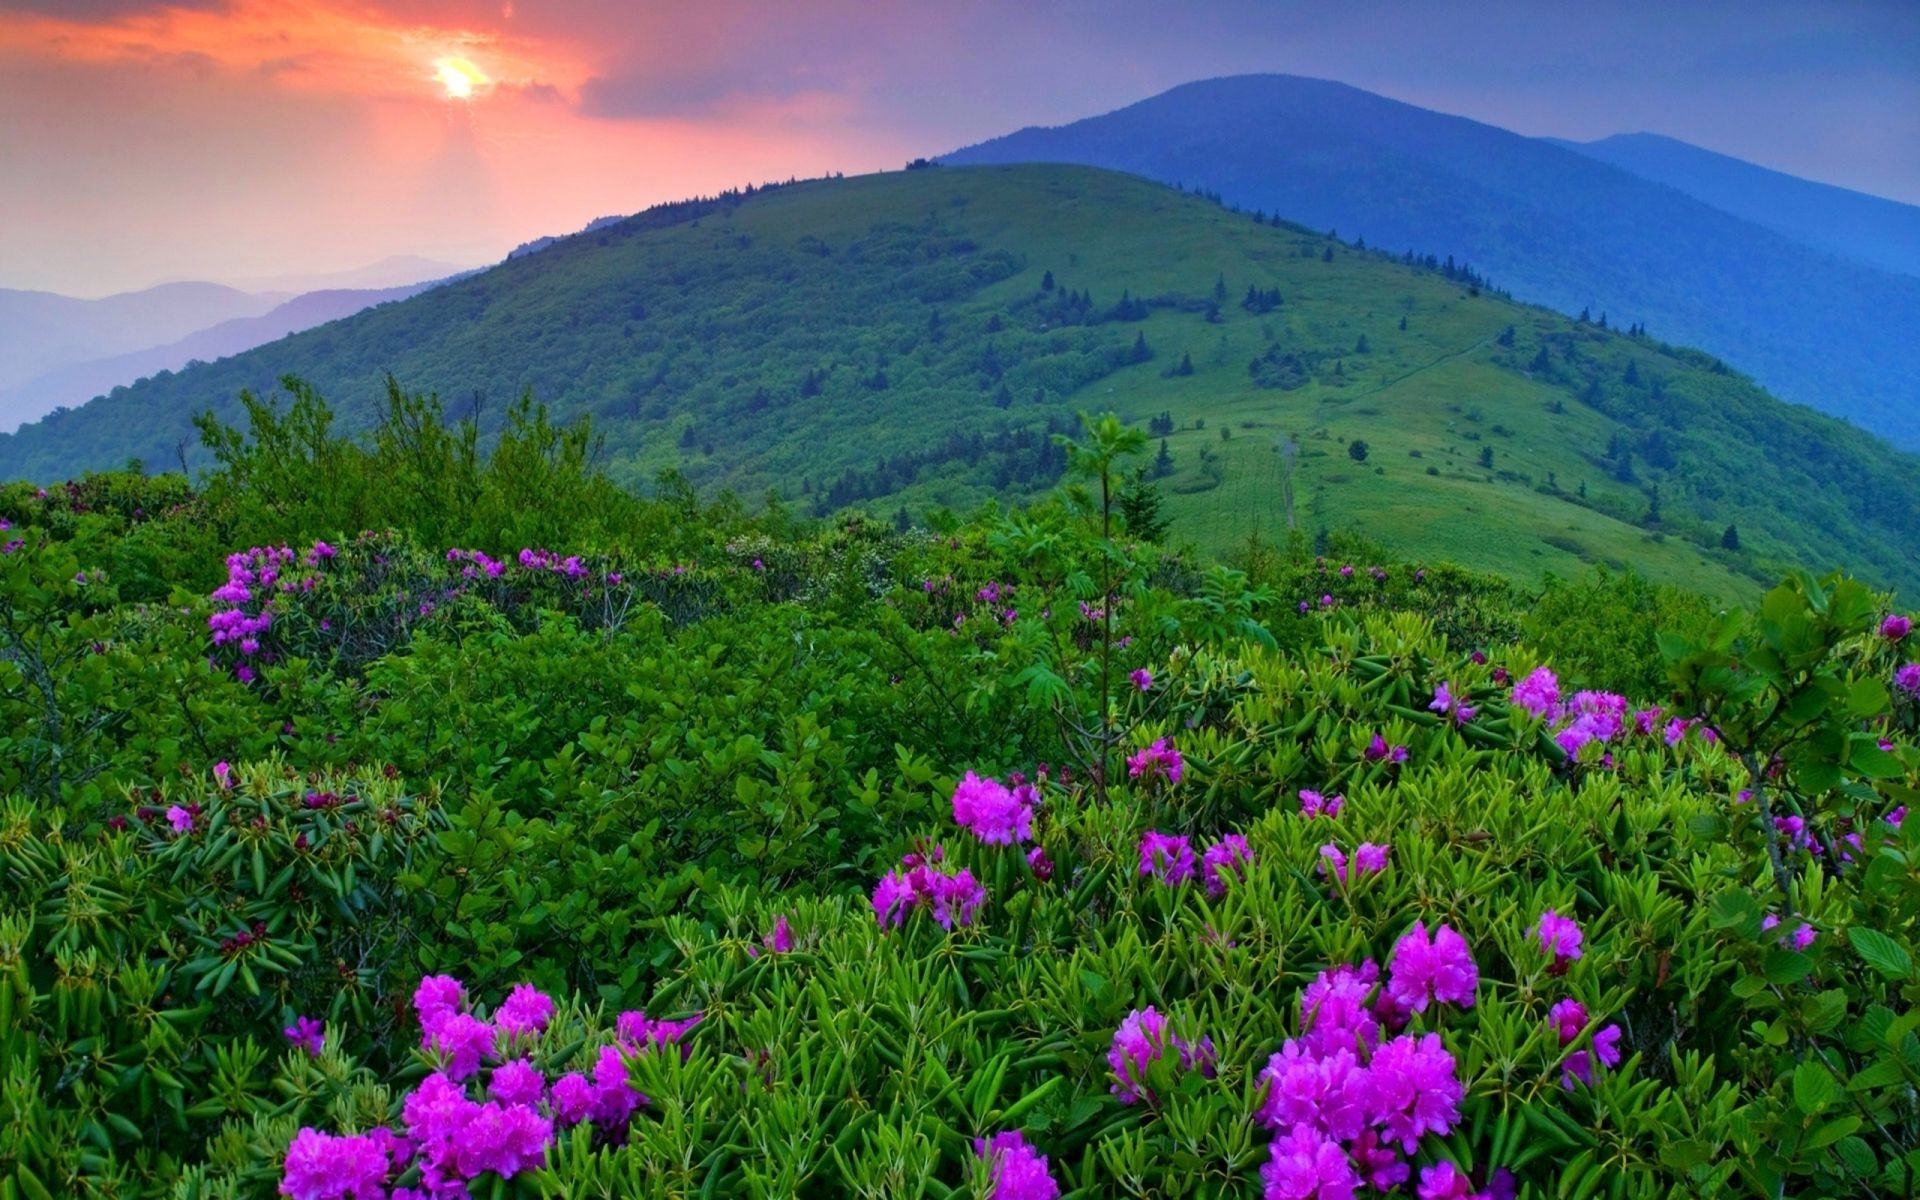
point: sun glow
(459, 77)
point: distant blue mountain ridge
(1552, 224)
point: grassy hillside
(1552, 225)
(892, 342)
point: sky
(148, 140)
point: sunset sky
(229, 139)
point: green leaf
(1832, 1132)
(1881, 952)
(1814, 1091)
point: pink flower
(438, 996)
(893, 898)
(526, 1010)
(1333, 1010)
(1423, 970)
(1560, 937)
(517, 1081)
(1141, 1040)
(1415, 1089)
(1444, 701)
(1157, 759)
(1379, 750)
(1019, 1172)
(1142, 679)
(1907, 679)
(1579, 1065)
(223, 775)
(614, 1099)
(996, 815)
(1168, 857)
(1444, 1181)
(308, 1034)
(1313, 804)
(1226, 858)
(1896, 627)
(1569, 1017)
(1040, 864)
(321, 1166)
(463, 1039)
(571, 1098)
(1328, 1093)
(1306, 1165)
(181, 819)
(503, 1139)
(436, 1109)
(1538, 693)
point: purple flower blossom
(181, 819)
(614, 1098)
(1444, 701)
(1560, 937)
(1423, 970)
(503, 1139)
(1141, 1040)
(526, 1010)
(1307, 1165)
(321, 1166)
(308, 1034)
(1538, 693)
(1907, 679)
(1328, 1093)
(438, 997)
(1379, 750)
(1142, 679)
(571, 1098)
(1569, 1017)
(1226, 858)
(463, 1040)
(1019, 1172)
(1579, 1064)
(517, 1081)
(1415, 1089)
(223, 775)
(996, 815)
(1444, 1181)
(1896, 627)
(1313, 804)
(1040, 864)
(1166, 856)
(952, 898)
(1333, 1010)
(1156, 760)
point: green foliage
(611, 770)
(740, 342)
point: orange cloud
(319, 46)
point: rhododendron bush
(711, 856)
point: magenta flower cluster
(1019, 1171)
(1907, 679)
(1158, 761)
(1368, 858)
(1588, 716)
(953, 898)
(1348, 1104)
(1569, 1018)
(454, 1138)
(1560, 938)
(997, 815)
(1313, 804)
(244, 606)
(1144, 1039)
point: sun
(459, 77)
